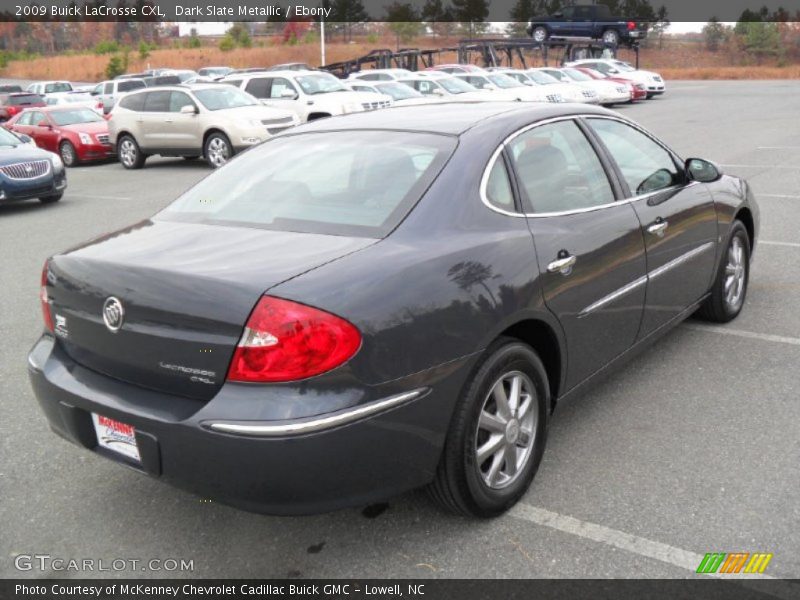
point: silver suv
(212, 120)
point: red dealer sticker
(116, 436)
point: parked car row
(217, 112)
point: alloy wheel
(127, 152)
(735, 274)
(505, 436)
(67, 154)
(218, 152)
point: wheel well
(540, 336)
(210, 132)
(746, 217)
(315, 116)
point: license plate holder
(117, 437)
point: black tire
(650, 96)
(129, 153)
(460, 485)
(540, 33)
(69, 156)
(51, 199)
(610, 37)
(217, 150)
(719, 307)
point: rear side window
(157, 101)
(258, 87)
(498, 186)
(127, 86)
(133, 102)
(341, 183)
(558, 169)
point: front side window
(645, 165)
(178, 100)
(108, 88)
(280, 88)
(558, 169)
(338, 183)
(38, 119)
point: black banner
(460, 589)
(386, 10)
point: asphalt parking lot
(693, 447)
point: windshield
(340, 183)
(542, 77)
(623, 66)
(61, 86)
(504, 81)
(454, 85)
(8, 139)
(398, 91)
(559, 75)
(224, 96)
(577, 75)
(75, 116)
(320, 83)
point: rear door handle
(562, 265)
(658, 228)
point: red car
(14, 103)
(638, 91)
(77, 134)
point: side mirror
(612, 70)
(438, 92)
(289, 94)
(188, 109)
(701, 170)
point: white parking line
(778, 148)
(771, 243)
(92, 197)
(778, 195)
(665, 553)
(766, 337)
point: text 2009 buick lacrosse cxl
(378, 302)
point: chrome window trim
(490, 165)
(316, 424)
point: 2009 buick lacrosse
(382, 301)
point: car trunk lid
(183, 304)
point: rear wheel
(730, 285)
(130, 155)
(51, 199)
(69, 155)
(217, 150)
(540, 34)
(497, 435)
(611, 37)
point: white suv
(309, 94)
(212, 120)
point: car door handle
(562, 265)
(658, 228)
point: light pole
(322, 41)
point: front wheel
(540, 34)
(497, 434)
(69, 155)
(730, 285)
(217, 150)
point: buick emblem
(113, 314)
(28, 168)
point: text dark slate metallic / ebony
(382, 301)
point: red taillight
(631, 25)
(48, 319)
(12, 110)
(287, 341)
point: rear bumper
(254, 464)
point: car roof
(435, 118)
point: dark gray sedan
(382, 301)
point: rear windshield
(25, 99)
(359, 183)
(127, 86)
